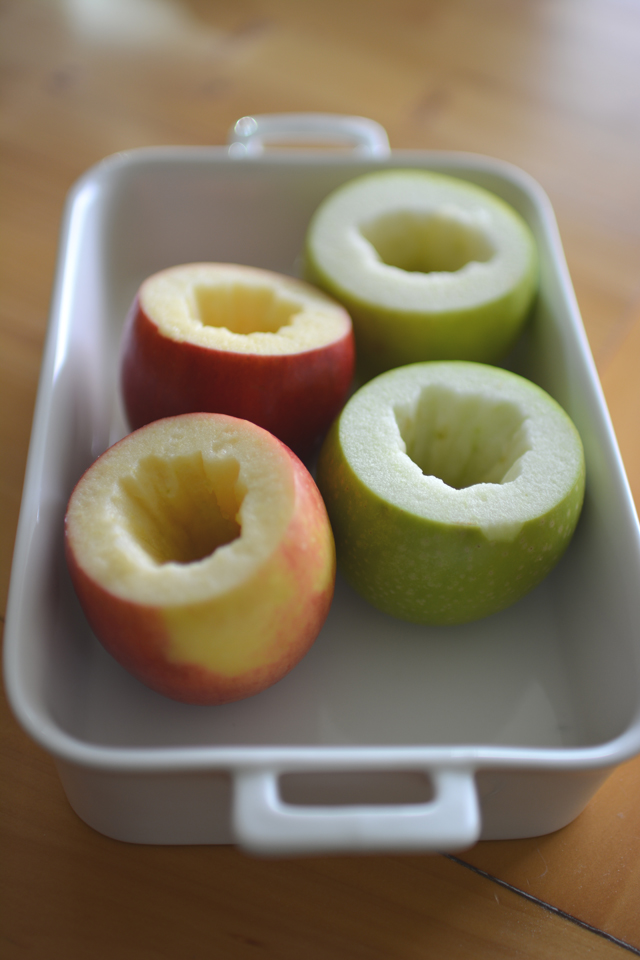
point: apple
(430, 267)
(223, 338)
(453, 488)
(202, 555)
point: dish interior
(559, 669)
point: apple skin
(277, 613)
(295, 396)
(424, 571)
(389, 338)
(397, 334)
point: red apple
(232, 339)
(202, 555)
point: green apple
(430, 267)
(202, 555)
(453, 488)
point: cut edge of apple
(418, 243)
(463, 443)
(242, 309)
(158, 518)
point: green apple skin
(387, 337)
(428, 572)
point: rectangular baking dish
(387, 736)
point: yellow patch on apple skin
(233, 634)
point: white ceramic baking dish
(387, 736)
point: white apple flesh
(453, 489)
(430, 267)
(226, 338)
(202, 555)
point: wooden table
(552, 86)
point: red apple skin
(294, 396)
(139, 636)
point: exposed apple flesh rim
(452, 488)
(231, 339)
(202, 555)
(430, 267)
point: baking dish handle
(265, 825)
(250, 135)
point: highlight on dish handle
(264, 824)
(249, 136)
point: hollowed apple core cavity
(443, 241)
(463, 439)
(242, 308)
(181, 509)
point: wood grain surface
(550, 85)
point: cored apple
(430, 267)
(202, 555)
(453, 489)
(231, 339)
